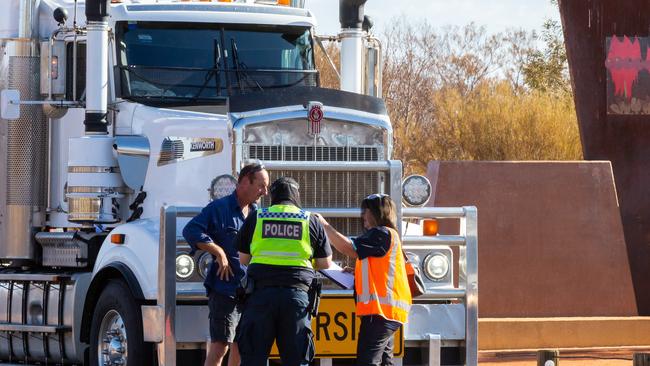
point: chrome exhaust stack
(96, 67)
(351, 36)
(94, 201)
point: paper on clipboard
(341, 278)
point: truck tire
(116, 329)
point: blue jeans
(280, 314)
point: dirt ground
(578, 362)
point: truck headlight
(222, 186)
(184, 266)
(205, 260)
(436, 267)
(416, 190)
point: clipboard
(343, 279)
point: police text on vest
(282, 229)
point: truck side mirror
(10, 104)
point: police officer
(278, 244)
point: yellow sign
(336, 329)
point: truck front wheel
(116, 329)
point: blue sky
(497, 15)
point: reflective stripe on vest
(281, 237)
(396, 302)
(385, 300)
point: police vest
(281, 237)
(381, 284)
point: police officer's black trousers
(276, 313)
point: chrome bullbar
(164, 313)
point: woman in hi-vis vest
(381, 286)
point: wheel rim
(111, 342)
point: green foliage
(546, 70)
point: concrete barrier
(550, 237)
(517, 334)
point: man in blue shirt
(214, 231)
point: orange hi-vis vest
(381, 284)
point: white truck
(122, 118)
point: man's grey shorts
(224, 317)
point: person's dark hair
(249, 171)
(285, 189)
(382, 208)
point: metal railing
(467, 241)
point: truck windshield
(178, 62)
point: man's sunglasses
(376, 196)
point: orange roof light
(429, 227)
(225, 1)
(284, 2)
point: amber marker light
(55, 67)
(430, 227)
(118, 238)
(284, 2)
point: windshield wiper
(239, 67)
(214, 72)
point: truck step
(44, 277)
(14, 327)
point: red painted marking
(624, 62)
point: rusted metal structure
(602, 76)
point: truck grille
(314, 153)
(331, 189)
